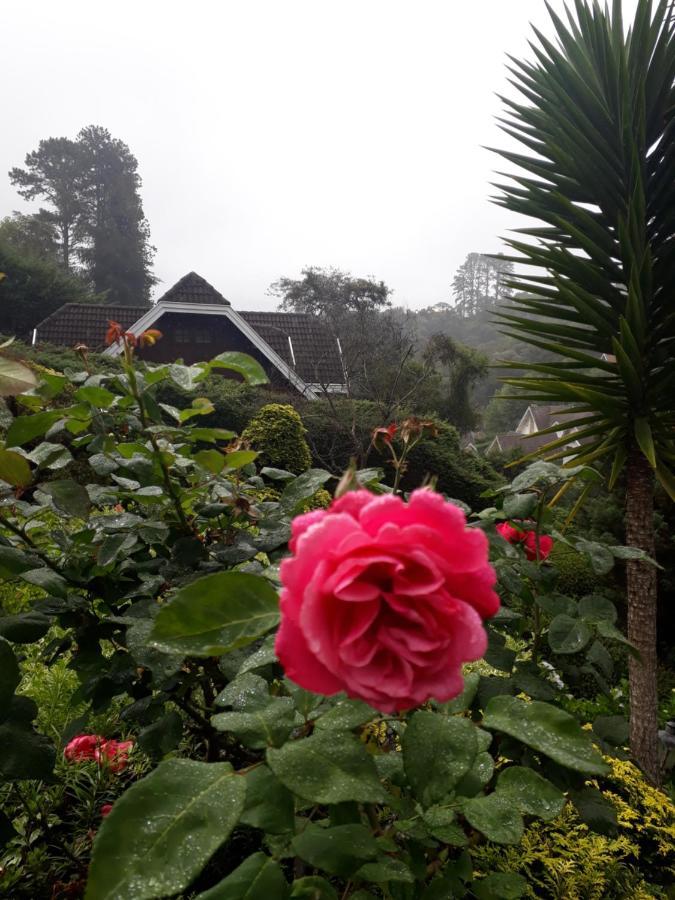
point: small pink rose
(510, 533)
(385, 600)
(530, 544)
(105, 810)
(82, 747)
(114, 754)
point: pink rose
(528, 539)
(84, 746)
(106, 809)
(114, 754)
(384, 600)
(530, 544)
(510, 533)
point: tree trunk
(641, 596)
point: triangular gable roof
(192, 288)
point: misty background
(272, 135)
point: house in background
(527, 437)
(198, 323)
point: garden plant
(343, 742)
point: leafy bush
(234, 404)
(156, 618)
(461, 475)
(277, 434)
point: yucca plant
(596, 119)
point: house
(527, 435)
(198, 323)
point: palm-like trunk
(641, 595)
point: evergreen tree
(54, 173)
(118, 256)
(92, 188)
(33, 289)
(480, 283)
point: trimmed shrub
(575, 574)
(277, 433)
(462, 476)
(234, 403)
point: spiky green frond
(596, 121)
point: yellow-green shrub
(565, 860)
(277, 433)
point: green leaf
(312, 887)
(68, 497)
(645, 439)
(245, 692)
(328, 767)
(162, 736)
(49, 581)
(339, 850)
(601, 558)
(303, 488)
(216, 614)
(496, 817)
(237, 459)
(51, 456)
(13, 562)
(14, 469)
(462, 701)
(556, 604)
(15, 378)
(242, 364)
(520, 506)
(500, 886)
(210, 435)
(596, 608)
(498, 655)
(261, 727)
(258, 878)
(346, 715)
(568, 635)
(96, 396)
(269, 805)
(211, 460)
(163, 830)
(10, 676)
(531, 793)
(438, 751)
(113, 546)
(27, 428)
(25, 628)
(384, 870)
(545, 728)
(481, 771)
(442, 824)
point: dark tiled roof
(192, 288)
(85, 323)
(317, 357)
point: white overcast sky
(277, 134)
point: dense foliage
(141, 607)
